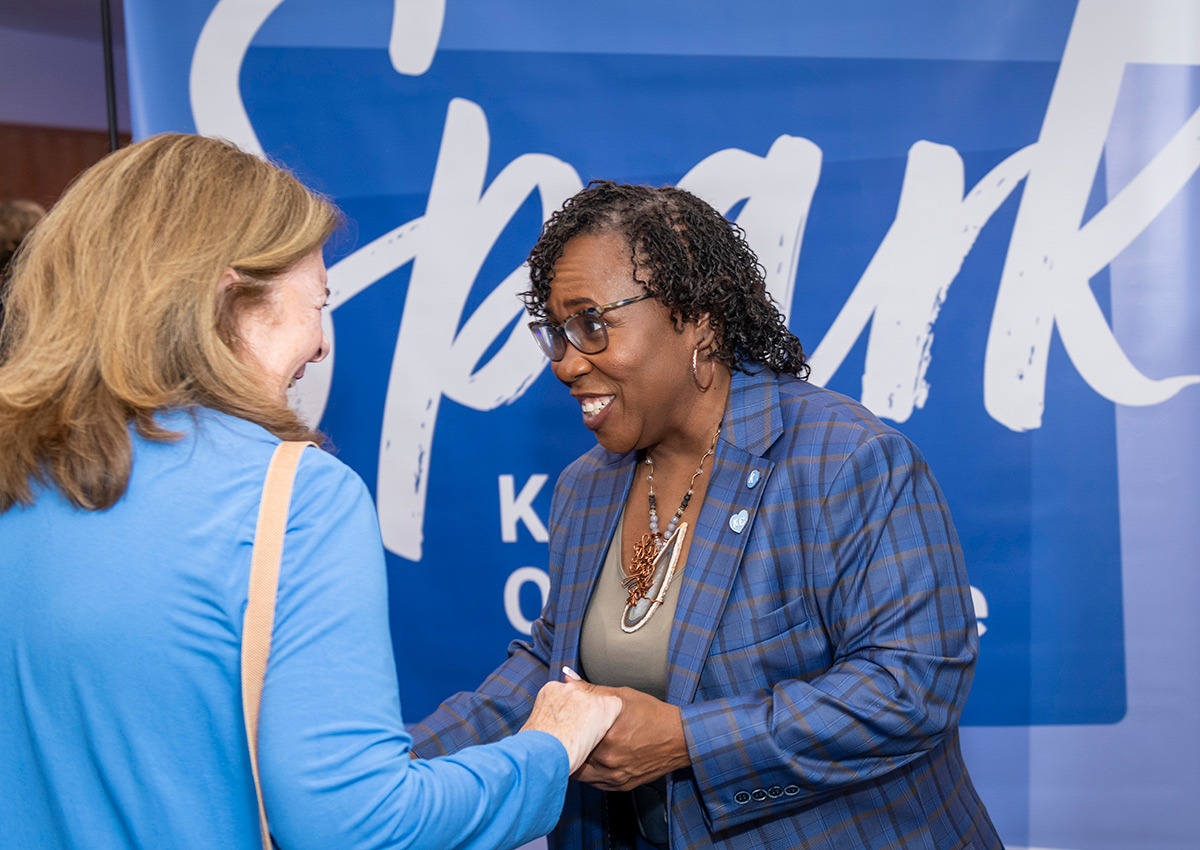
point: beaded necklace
(649, 549)
(660, 540)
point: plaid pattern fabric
(821, 655)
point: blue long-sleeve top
(120, 704)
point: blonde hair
(115, 309)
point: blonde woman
(155, 319)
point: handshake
(616, 738)
(578, 714)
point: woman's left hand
(644, 743)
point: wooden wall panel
(38, 163)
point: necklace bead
(651, 546)
(660, 540)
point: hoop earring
(696, 372)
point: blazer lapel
(592, 523)
(751, 425)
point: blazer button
(791, 790)
(759, 795)
(774, 792)
(752, 478)
(741, 798)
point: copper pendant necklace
(650, 550)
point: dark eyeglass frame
(552, 337)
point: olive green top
(608, 655)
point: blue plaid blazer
(821, 655)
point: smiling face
(639, 391)
(284, 334)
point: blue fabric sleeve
(334, 754)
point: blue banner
(977, 217)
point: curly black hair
(686, 254)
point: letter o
(512, 595)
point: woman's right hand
(575, 714)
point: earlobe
(703, 353)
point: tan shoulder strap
(260, 606)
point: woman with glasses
(765, 573)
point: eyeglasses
(586, 330)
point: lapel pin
(738, 521)
(752, 479)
